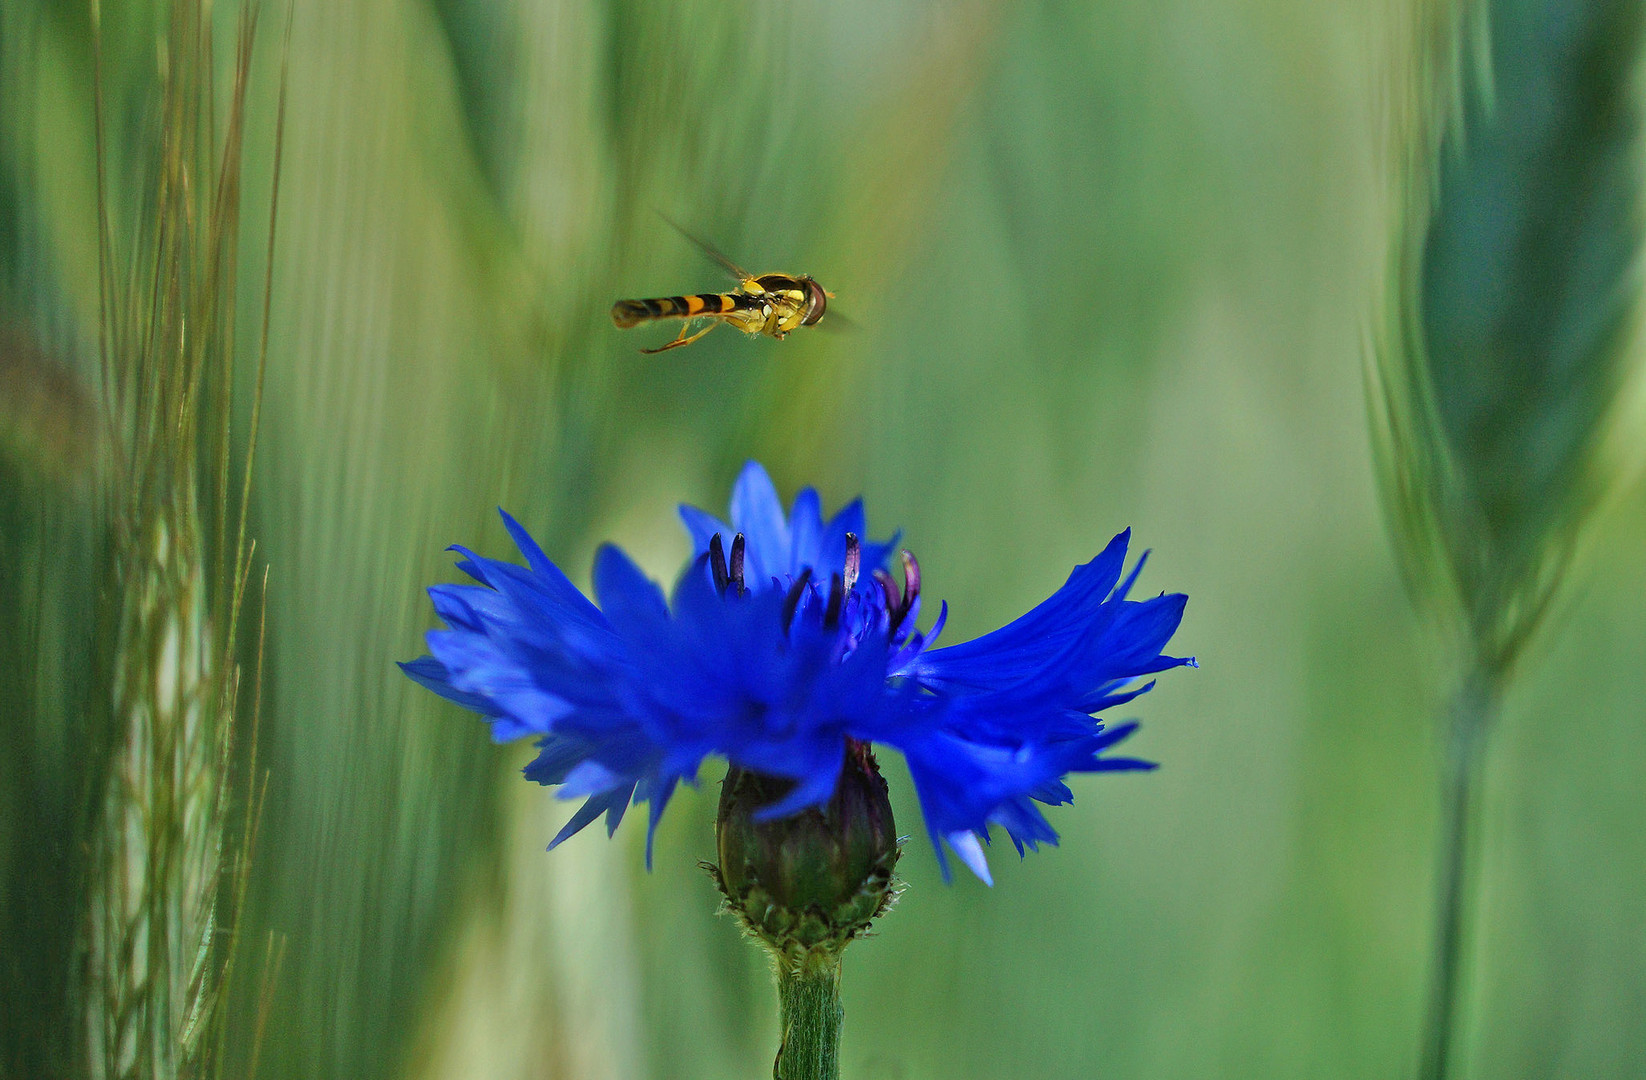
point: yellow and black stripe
(627, 313)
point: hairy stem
(808, 994)
(1473, 712)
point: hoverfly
(771, 304)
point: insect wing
(737, 272)
(837, 323)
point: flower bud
(815, 879)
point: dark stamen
(854, 561)
(717, 562)
(837, 596)
(796, 591)
(911, 580)
(899, 604)
(888, 588)
(736, 568)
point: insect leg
(682, 339)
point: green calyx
(812, 881)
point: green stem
(808, 995)
(1473, 712)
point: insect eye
(817, 301)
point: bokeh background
(1110, 264)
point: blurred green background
(1110, 263)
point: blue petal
(550, 579)
(758, 515)
(475, 665)
(1125, 587)
(806, 532)
(606, 802)
(1122, 764)
(703, 527)
(1113, 736)
(455, 605)
(1107, 697)
(526, 601)
(813, 788)
(1053, 793)
(431, 674)
(557, 755)
(971, 853)
(1140, 631)
(658, 795)
(628, 598)
(1025, 824)
(588, 778)
(1026, 644)
(617, 804)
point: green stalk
(808, 995)
(804, 887)
(1474, 712)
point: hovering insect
(771, 304)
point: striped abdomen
(627, 313)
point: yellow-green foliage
(161, 898)
(1514, 285)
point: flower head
(784, 639)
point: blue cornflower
(780, 651)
